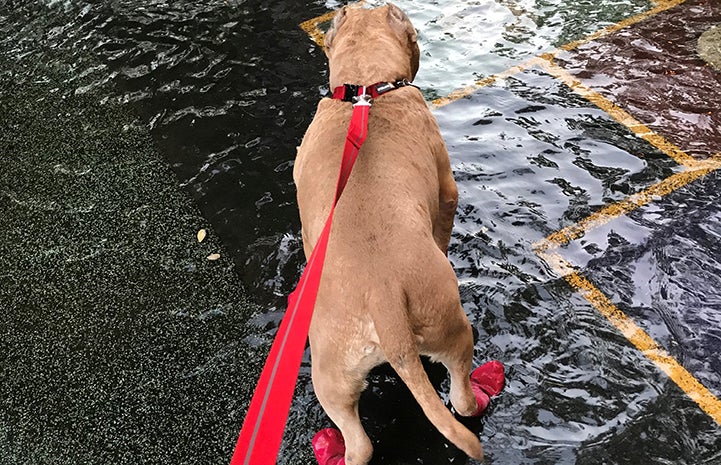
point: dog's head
(381, 37)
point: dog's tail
(399, 346)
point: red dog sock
(487, 381)
(329, 447)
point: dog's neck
(368, 66)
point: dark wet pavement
(656, 75)
(575, 385)
(119, 341)
(126, 127)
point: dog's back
(396, 170)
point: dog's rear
(388, 292)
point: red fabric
(264, 423)
(487, 381)
(329, 447)
(340, 91)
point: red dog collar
(350, 92)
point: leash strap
(262, 430)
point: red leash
(264, 423)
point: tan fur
(388, 292)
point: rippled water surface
(225, 90)
(463, 41)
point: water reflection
(464, 41)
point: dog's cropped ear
(403, 27)
(338, 20)
(400, 23)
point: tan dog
(388, 292)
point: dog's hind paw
(487, 381)
(329, 447)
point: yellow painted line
(630, 203)
(619, 114)
(466, 91)
(560, 265)
(311, 26)
(694, 168)
(645, 343)
(662, 5)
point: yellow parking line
(617, 113)
(632, 202)
(546, 248)
(662, 5)
(466, 91)
(645, 343)
(311, 26)
(694, 168)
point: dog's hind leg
(470, 395)
(457, 356)
(338, 391)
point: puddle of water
(530, 158)
(664, 275)
(541, 158)
(227, 90)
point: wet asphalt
(112, 313)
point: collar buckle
(350, 91)
(363, 99)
